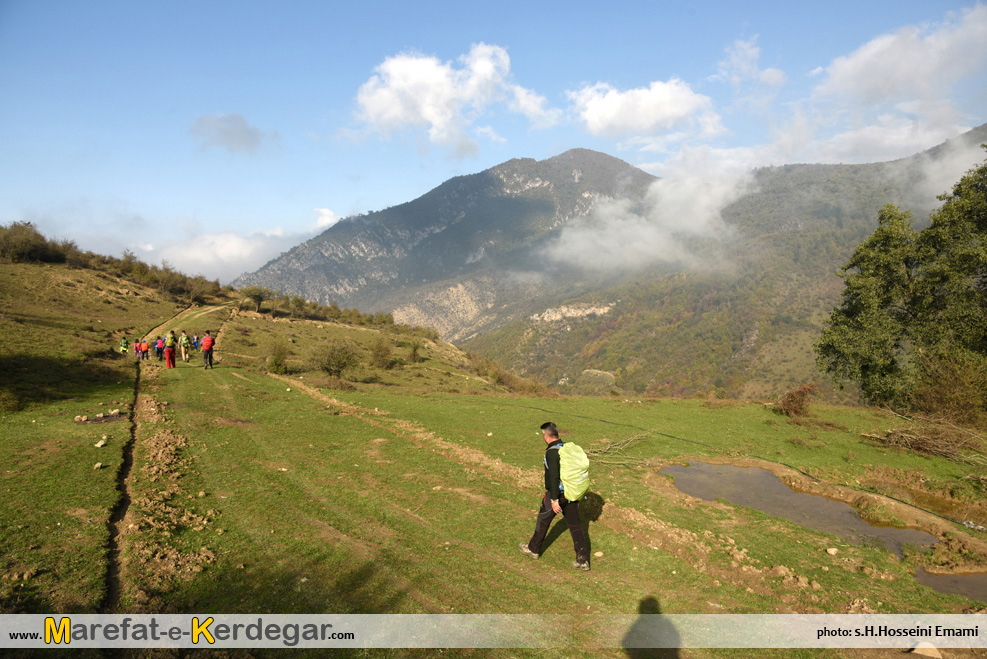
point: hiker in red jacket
(207, 346)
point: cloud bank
(678, 221)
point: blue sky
(216, 135)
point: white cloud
(645, 111)
(325, 218)
(412, 90)
(681, 209)
(913, 60)
(489, 133)
(230, 132)
(742, 66)
(917, 65)
(223, 255)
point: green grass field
(407, 489)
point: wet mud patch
(940, 498)
(950, 553)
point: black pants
(207, 358)
(570, 511)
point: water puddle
(758, 488)
(973, 586)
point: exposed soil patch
(159, 512)
(915, 489)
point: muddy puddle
(758, 488)
(973, 586)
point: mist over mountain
(593, 275)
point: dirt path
(114, 569)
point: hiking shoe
(581, 565)
(527, 552)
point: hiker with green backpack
(566, 482)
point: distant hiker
(554, 502)
(159, 348)
(137, 349)
(145, 347)
(184, 343)
(195, 342)
(207, 346)
(170, 343)
(124, 345)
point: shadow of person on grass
(652, 635)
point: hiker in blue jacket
(554, 502)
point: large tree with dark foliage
(912, 321)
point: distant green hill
(745, 330)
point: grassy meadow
(407, 488)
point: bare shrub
(795, 403)
(952, 384)
(937, 437)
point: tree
(380, 353)
(914, 302)
(256, 294)
(867, 336)
(335, 358)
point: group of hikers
(164, 347)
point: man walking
(207, 347)
(554, 502)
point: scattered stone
(832, 551)
(100, 444)
(239, 566)
(97, 466)
(100, 415)
(815, 585)
(84, 419)
(598, 554)
(115, 412)
(78, 417)
(289, 388)
(489, 434)
(106, 436)
(926, 649)
(201, 494)
(436, 488)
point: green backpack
(573, 471)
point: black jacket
(553, 482)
